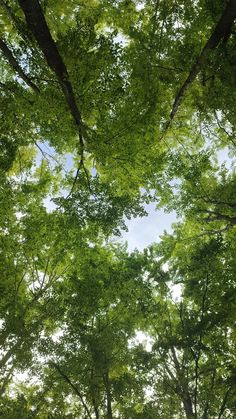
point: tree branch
(217, 202)
(8, 88)
(19, 24)
(231, 137)
(183, 384)
(76, 390)
(75, 178)
(45, 153)
(106, 382)
(221, 32)
(14, 64)
(216, 216)
(206, 409)
(38, 26)
(224, 402)
(198, 353)
(6, 380)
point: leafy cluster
(107, 106)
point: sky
(142, 231)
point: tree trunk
(96, 411)
(93, 396)
(38, 26)
(108, 395)
(183, 388)
(188, 407)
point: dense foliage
(106, 106)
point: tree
(106, 106)
(99, 305)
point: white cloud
(142, 231)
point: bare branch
(45, 153)
(163, 67)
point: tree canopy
(107, 106)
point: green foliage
(73, 300)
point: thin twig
(230, 136)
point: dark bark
(188, 407)
(184, 393)
(207, 406)
(224, 403)
(220, 33)
(96, 411)
(197, 354)
(182, 388)
(14, 64)
(108, 395)
(38, 26)
(17, 22)
(93, 396)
